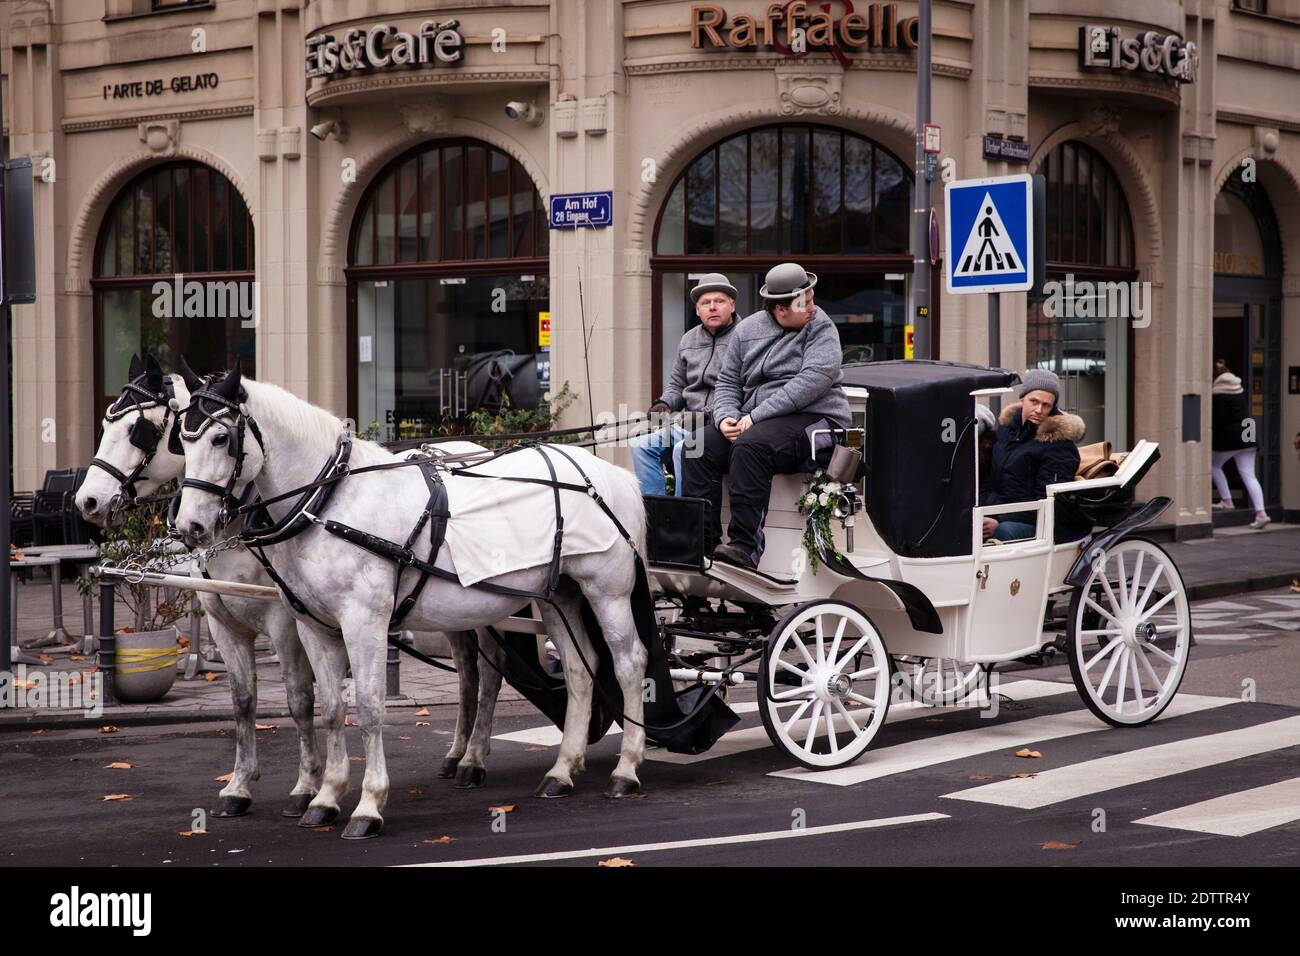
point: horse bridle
(230, 504)
(144, 434)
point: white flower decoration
(810, 500)
(824, 499)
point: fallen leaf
(423, 723)
(349, 721)
(209, 677)
(1295, 586)
(422, 712)
(1026, 752)
(117, 765)
(109, 729)
(182, 641)
(616, 861)
(44, 657)
(441, 839)
(264, 726)
(117, 796)
(224, 778)
(505, 808)
(1058, 845)
(533, 749)
(357, 759)
(75, 657)
(324, 829)
(38, 731)
(979, 776)
(192, 832)
(19, 682)
(1024, 776)
(416, 791)
(403, 738)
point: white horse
(127, 470)
(254, 430)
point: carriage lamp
(847, 504)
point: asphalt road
(936, 788)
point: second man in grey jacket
(780, 378)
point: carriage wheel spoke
(812, 726)
(785, 665)
(863, 700)
(1095, 632)
(1155, 678)
(1150, 612)
(1110, 670)
(844, 712)
(821, 642)
(839, 636)
(1159, 652)
(861, 643)
(1151, 586)
(1102, 653)
(797, 641)
(830, 731)
(1110, 591)
(1102, 611)
(1137, 580)
(1139, 699)
(797, 693)
(1122, 683)
(869, 672)
(789, 724)
(1123, 580)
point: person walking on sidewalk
(780, 380)
(690, 389)
(1228, 441)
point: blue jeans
(648, 453)
(1013, 530)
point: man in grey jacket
(690, 389)
(779, 381)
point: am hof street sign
(990, 234)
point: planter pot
(146, 666)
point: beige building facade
(401, 264)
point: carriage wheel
(939, 681)
(824, 687)
(1130, 631)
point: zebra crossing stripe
(930, 751)
(1135, 766)
(1236, 814)
(755, 738)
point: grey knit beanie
(1041, 380)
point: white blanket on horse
(501, 526)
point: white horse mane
(280, 408)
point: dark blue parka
(1027, 458)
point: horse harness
(144, 434)
(259, 531)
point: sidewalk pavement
(1233, 561)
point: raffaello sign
(384, 47)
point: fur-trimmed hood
(1059, 426)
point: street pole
(995, 342)
(921, 213)
(5, 496)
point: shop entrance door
(1248, 337)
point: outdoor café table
(81, 555)
(17, 654)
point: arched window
(448, 290)
(173, 275)
(830, 199)
(1090, 258)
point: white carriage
(915, 599)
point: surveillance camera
(524, 112)
(336, 128)
(322, 130)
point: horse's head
(223, 450)
(140, 448)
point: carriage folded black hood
(920, 451)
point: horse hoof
(622, 787)
(468, 777)
(298, 804)
(449, 766)
(233, 806)
(552, 789)
(318, 816)
(362, 828)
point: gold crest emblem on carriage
(1015, 586)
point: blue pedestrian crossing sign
(990, 234)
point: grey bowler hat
(712, 282)
(786, 281)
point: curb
(1228, 586)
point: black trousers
(775, 446)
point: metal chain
(164, 563)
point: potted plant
(147, 648)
